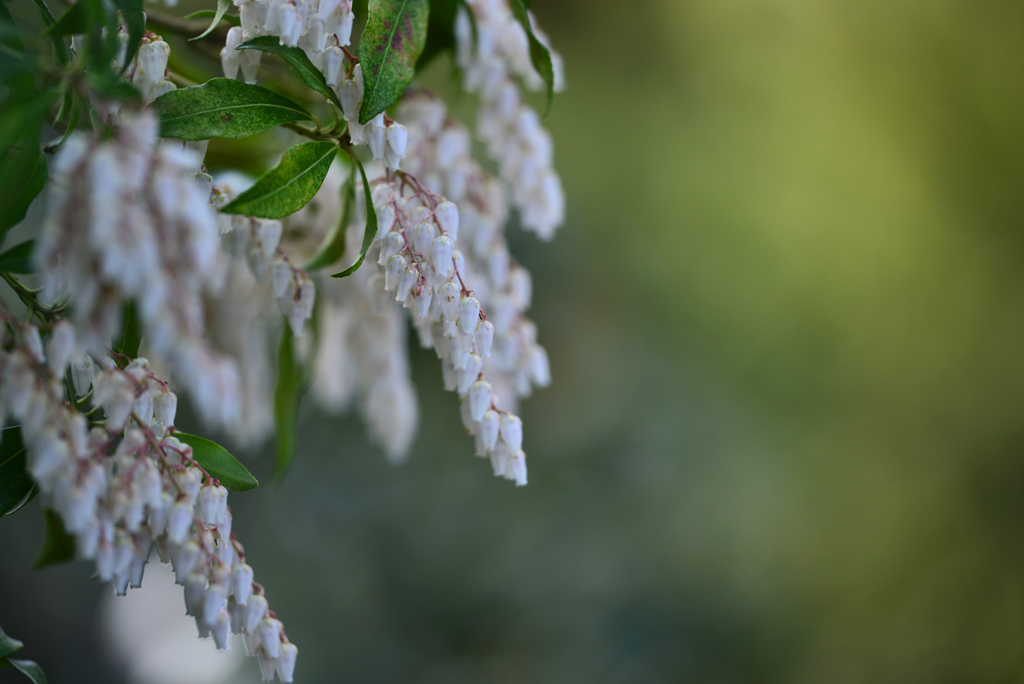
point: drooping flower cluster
(319, 27)
(259, 241)
(492, 57)
(147, 72)
(127, 220)
(386, 139)
(125, 485)
(440, 155)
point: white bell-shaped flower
(441, 250)
(479, 398)
(447, 216)
(484, 338)
(512, 431)
(489, 427)
(396, 266)
(469, 314)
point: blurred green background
(784, 441)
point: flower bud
(220, 632)
(392, 244)
(195, 587)
(255, 609)
(469, 314)
(406, 280)
(448, 298)
(385, 220)
(512, 432)
(474, 364)
(479, 398)
(332, 61)
(447, 216)
(82, 371)
(489, 426)
(268, 666)
(241, 582)
(61, 346)
(375, 140)
(396, 266)
(383, 193)
(184, 560)
(269, 632)
(178, 522)
(423, 297)
(286, 661)
(441, 255)
(484, 338)
(515, 469)
(214, 600)
(397, 138)
(423, 237)
(165, 407)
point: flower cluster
(127, 220)
(319, 27)
(259, 241)
(386, 139)
(125, 485)
(416, 234)
(147, 72)
(492, 57)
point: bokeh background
(784, 441)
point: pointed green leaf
(222, 8)
(58, 545)
(312, 76)
(30, 669)
(287, 187)
(333, 246)
(203, 14)
(219, 463)
(395, 33)
(223, 108)
(370, 231)
(22, 180)
(15, 482)
(131, 332)
(8, 645)
(539, 55)
(22, 117)
(18, 259)
(286, 403)
(74, 20)
(60, 48)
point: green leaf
(8, 645)
(109, 86)
(15, 482)
(18, 259)
(219, 463)
(370, 231)
(30, 669)
(299, 61)
(223, 108)
(286, 403)
(135, 21)
(23, 116)
(333, 246)
(75, 19)
(58, 545)
(22, 180)
(222, 8)
(287, 187)
(395, 33)
(60, 48)
(131, 331)
(202, 14)
(539, 55)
